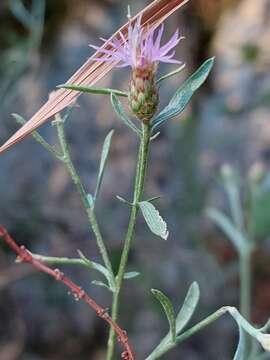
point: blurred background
(41, 44)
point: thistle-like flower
(142, 51)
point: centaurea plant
(141, 50)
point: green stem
(138, 191)
(245, 283)
(66, 158)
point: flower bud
(143, 95)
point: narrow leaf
(182, 96)
(226, 225)
(188, 307)
(100, 283)
(169, 311)
(174, 72)
(183, 317)
(155, 222)
(131, 275)
(118, 108)
(100, 268)
(103, 161)
(120, 198)
(93, 90)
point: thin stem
(138, 191)
(66, 158)
(245, 284)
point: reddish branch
(25, 255)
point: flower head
(141, 48)
(142, 51)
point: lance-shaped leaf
(92, 71)
(103, 161)
(188, 307)
(105, 272)
(120, 111)
(153, 219)
(170, 74)
(169, 311)
(182, 319)
(183, 95)
(93, 90)
(131, 275)
(101, 284)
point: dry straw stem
(79, 294)
(92, 71)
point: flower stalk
(138, 192)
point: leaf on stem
(188, 307)
(169, 311)
(182, 319)
(101, 284)
(153, 219)
(174, 72)
(93, 90)
(100, 268)
(120, 111)
(182, 96)
(131, 275)
(103, 161)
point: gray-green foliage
(153, 219)
(178, 323)
(183, 95)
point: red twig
(25, 255)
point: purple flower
(141, 49)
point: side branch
(26, 256)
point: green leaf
(120, 198)
(226, 225)
(183, 317)
(155, 222)
(100, 268)
(154, 198)
(103, 161)
(100, 283)
(174, 72)
(169, 311)
(182, 96)
(93, 90)
(118, 108)
(131, 275)
(188, 307)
